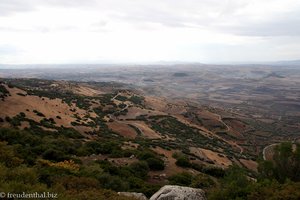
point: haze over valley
(161, 99)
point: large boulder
(135, 195)
(174, 192)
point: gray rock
(138, 196)
(174, 192)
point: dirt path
(111, 116)
(220, 120)
(182, 120)
(115, 97)
(267, 149)
(209, 133)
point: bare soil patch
(51, 108)
(134, 112)
(250, 164)
(218, 158)
(86, 91)
(122, 129)
(145, 129)
(171, 168)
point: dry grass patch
(249, 164)
(170, 167)
(218, 158)
(145, 129)
(122, 129)
(86, 91)
(50, 108)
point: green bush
(155, 164)
(285, 164)
(54, 155)
(202, 181)
(183, 179)
(140, 169)
(7, 156)
(136, 99)
(181, 160)
(121, 98)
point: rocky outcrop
(170, 192)
(135, 195)
(174, 192)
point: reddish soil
(250, 164)
(51, 108)
(218, 158)
(145, 129)
(122, 129)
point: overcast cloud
(96, 31)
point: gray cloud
(285, 24)
(204, 14)
(188, 13)
(242, 28)
(8, 7)
(13, 6)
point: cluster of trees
(38, 161)
(53, 159)
(276, 179)
(182, 160)
(3, 91)
(153, 160)
(185, 135)
(285, 164)
(138, 100)
(17, 177)
(196, 181)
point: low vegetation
(46, 156)
(277, 179)
(3, 91)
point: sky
(143, 31)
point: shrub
(7, 156)
(140, 169)
(77, 183)
(121, 98)
(54, 155)
(8, 119)
(214, 171)
(183, 162)
(285, 164)
(183, 179)
(202, 181)
(155, 164)
(38, 113)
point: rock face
(174, 192)
(138, 196)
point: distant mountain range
(159, 63)
(288, 62)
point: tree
(235, 185)
(285, 164)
